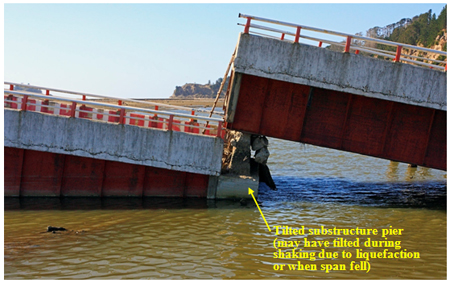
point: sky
(146, 50)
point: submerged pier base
(236, 186)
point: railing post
(122, 117)
(192, 113)
(73, 108)
(170, 125)
(247, 25)
(357, 52)
(156, 108)
(282, 36)
(120, 102)
(84, 97)
(398, 54)
(47, 92)
(347, 44)
(11, 87)
(320, 43)
(297, 34)
(24, 103)
(219, 129)
(43, 108)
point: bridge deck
(58, 146)
(339, 100)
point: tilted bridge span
(341, 100)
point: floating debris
(54, 229)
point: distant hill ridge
(193, 90)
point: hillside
(424, 30)
(192, 90)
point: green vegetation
(423, 29)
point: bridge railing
(119, 101)
(113, 113)
(349, 42)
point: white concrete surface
(346, 72)
(130, 144)
(236, 187)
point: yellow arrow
(250, 192)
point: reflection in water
(411, 173)
(392, 172)
(161, 238)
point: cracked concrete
(130, 144)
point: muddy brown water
(199, 239)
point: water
(200, 239)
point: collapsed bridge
(65, 143)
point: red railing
(114, 113)
(349, 42)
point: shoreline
(189, 102)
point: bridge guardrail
(112, 113)
(119, 100)
(396, 56)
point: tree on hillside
(423, 30)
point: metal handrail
(111, 97)
(354, 47)
(406, 55)
(204, 118)
(386, 42)
(347, 46)
(330, 41)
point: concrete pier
(238, 174)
